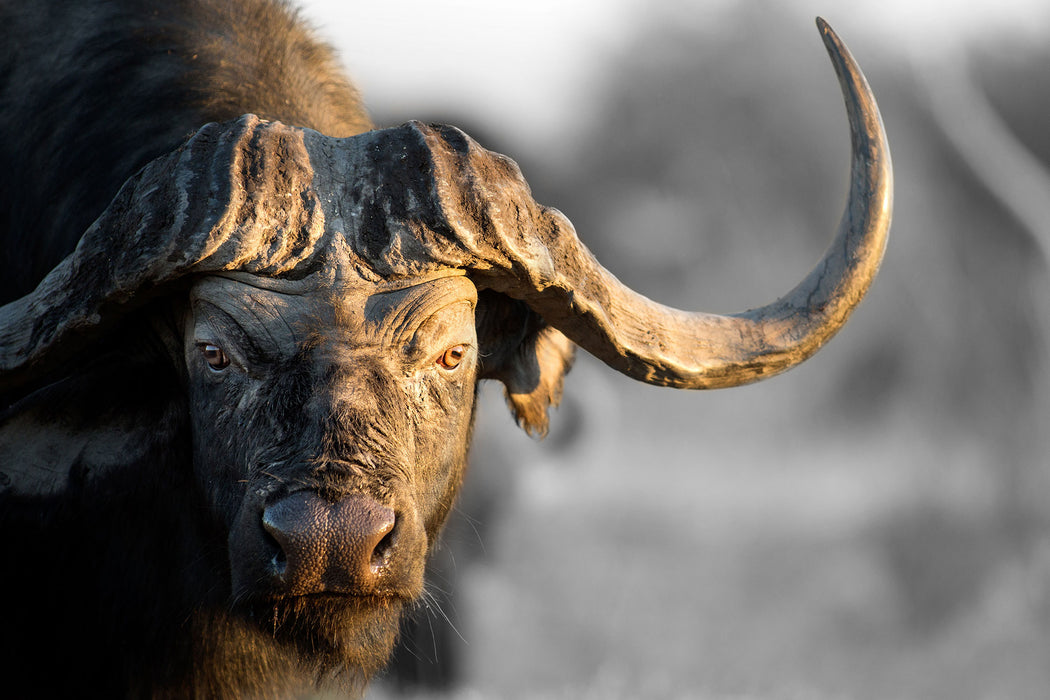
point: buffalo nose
(329, 547)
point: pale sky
(502, 60)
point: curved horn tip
(828, 34)
(832, 42)
(836, 48)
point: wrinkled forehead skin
(287, 314)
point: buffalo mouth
(324, 609)
(333, 612)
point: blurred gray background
(872, 524)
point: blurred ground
(872, 524)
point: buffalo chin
(299, 644)
(339, 640)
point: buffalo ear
(531, 358)
(116, 410)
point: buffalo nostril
(279, 560)
(381, 552)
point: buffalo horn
(664, 346)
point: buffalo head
(294, 326)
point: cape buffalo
(243, 332)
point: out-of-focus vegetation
(872, 524)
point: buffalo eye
(451, 358)
(214, 356)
